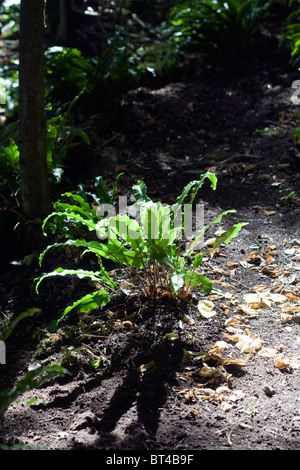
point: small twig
(230, 436)
(277, 124)
(93, 336)
(108, 141)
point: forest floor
(227, 383)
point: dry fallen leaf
(245, 426)
(291, 309)
(127, 324)
(191, 410)
(268, 212)
(233, 338)
(248, 344)
(226, 309)
(211, 241)
(217, 281)
(285, 317)
(292, 297)
(227, 286)
(250, 311)
(188, 320)
(219, 346)
(286, 363)
(258, 288)
(213, 297)
(218, 371)
(267, 352)
(234, 362)
(277, 298)
(231, 265)
(206, 309)
(222, 396)
(146, 367)
(263, 299)
(253, 257)
(232, 322)
(249, 167)
(273, 271)
(283, 165)
(268, 259)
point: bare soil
(187, 392)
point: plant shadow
(148, 390)
(140, 377)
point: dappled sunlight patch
(203, 374)
(222, 396)
(278, 298)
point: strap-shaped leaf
(33, 379)
(80, 201)
(89, 223)
(88, 302)
(226, 237)
(176, 282)
(102, 192)
(93, 245)
(139, 192)
(193, 279)
(201, 232)
(80, 273)
(193, 187)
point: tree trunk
(62, 33)
(35, 186)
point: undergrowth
(147, 238)
(214, 26)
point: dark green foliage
(117, 71)
(292, 32)
(33, 379)
(67, 73)
(105, 78)
(61, 137)
(10, 18)
(210, 26)
(9, 164)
